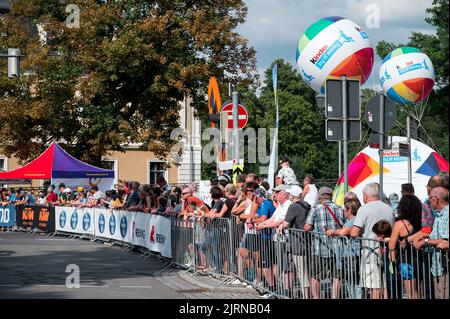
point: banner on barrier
(39, 217)
(75, 220)
(7, 214)
(113, 224)
(146, 230)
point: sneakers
(235, 282)
(268, 295)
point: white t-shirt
(247, 212)
(368, 215)
(281, 211)
(311, 197)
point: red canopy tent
(59, 166)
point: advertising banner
(113, 224)
(7, 214)
(159, 238)
(75, 220)
(141, 229)
(40, 217)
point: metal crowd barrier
(183, 242)
(213, 238)
(303, 265)
(404, 272)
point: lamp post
(320, 100)
(13, 57)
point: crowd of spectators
(402, 223)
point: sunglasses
(184, 193)
(250, 190)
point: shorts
(372, 276)
(301, 267)
(407, 271)
(252, 242)
(267, 253)
(284, 257)
(323, 267)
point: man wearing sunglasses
(186, 198)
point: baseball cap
(325, 190)
(80, 189)
(281, 187)
(259, 192)
(67, 190)
(295, 190)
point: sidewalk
(200, 286)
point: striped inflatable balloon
(332, 47)
(407, 75)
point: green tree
(119, 77)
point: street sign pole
(340, 159)
(408, 133)
(381, 147)
(344, 130)
(235, 127)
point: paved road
(34, 266)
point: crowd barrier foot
(228, 280)
(170, 264)
(109, 244)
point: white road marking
(10, 285)
(81, 286)
(136, 287)
(51, 239)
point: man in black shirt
(295, 219)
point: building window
(2, 164)
(107, 164)
(111, 164)
(156, 169)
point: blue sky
(273, 27)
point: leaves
(120, 77)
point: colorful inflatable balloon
(407, 75)
(365, 167)
(332, 47)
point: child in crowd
(383, 230)
(197, 213)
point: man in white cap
(281, 196)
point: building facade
(143, 166)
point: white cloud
(274, 27)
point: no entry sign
(242, 115)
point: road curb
(222, 287)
